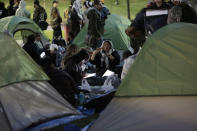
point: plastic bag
(85, 85)
(113, 80)
(107, 86)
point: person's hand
(95, 52)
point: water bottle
(81, 98)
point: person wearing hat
(55, 19)
(40, 15)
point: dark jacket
(95, 23)
(56, 21)
(75, 22)
(101, 66)
(3, 10)
(63, 83)
(39, 14)
(33, 50)
(73, 65)
(150, 24)
(11, 10)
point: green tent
(16, 65)
(114, 29)
(160, 90)
(13, 24)
(26, 98)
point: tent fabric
(4, 123)
(166, 65)
(159, 90)
(16, 65)
(173, 113)
(114, 29)
(32, 102)
(12, 24)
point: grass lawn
(120, 9)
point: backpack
(42, 19)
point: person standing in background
(67, 25)
(21, 11)
(94, 36)
(56, 19)
(16, 5)
(10, 8)
(40, 15)
(3, 10)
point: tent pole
(128, 9)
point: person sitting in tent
(32, 48)
(71, 50)
(3, 10)
(61, 49)
(60, 80)
(40, 15)
(73, 65)
(182, 12)
(22, 11)
(10, 8)
(38, 42)
(105, 58)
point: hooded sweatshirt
(21, 11)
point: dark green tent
(13, 24)
(114, 29)
(26, 98)
(159, 93)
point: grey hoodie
(21, 11)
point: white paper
(90, 75)
(156, 12)
(108, 73)
(42, 55)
